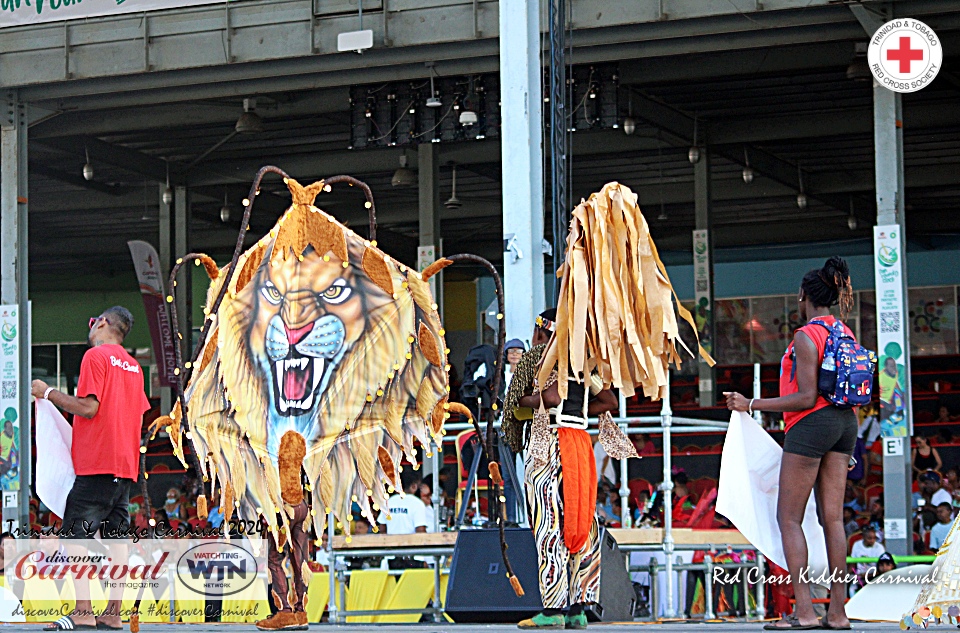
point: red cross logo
(905, 55)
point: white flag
(55, 474)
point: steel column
(522, 158)
(181, 246)
(165, 220)
(666, 421)
(701, 184)
(428, 179)
(560, 204)
(888, 161)
(14, 277)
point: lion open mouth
(297, 380)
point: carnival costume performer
(614, 327)
(320, 356)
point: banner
(9, 397)
(147, 264)
(891, 338)
(22, 12)
(702, 288)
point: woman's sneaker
(541, 621)
(578, 621)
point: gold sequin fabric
(614, 441)
(539, 444)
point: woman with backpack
(820, 433)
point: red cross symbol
(905, 54)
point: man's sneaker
(541, 621)
(578, 621)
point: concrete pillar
(522, 158)
(164, 248)
(703, 274)
(428, 182)
(888, 162)
(13, 287)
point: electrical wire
(392, 128)
(425, 132)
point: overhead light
(468, 118)
(88, 166)
(225, 209)
(801, 197)
(433, 101)
(249, 122)
(859, 69)
(404, 177)
(167, 196)
(453, 202)
(663, 215)
(694, 154)
(629, 126)
(747, 170)
(852, 219)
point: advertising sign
(701, 280)
(10, 340)
(891, 339)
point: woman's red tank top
(818, 335)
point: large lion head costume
(324, 352)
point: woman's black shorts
(825, 430)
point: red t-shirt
(109, 443)
(818, 334)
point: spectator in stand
(425, 495)
(606, 471)
(886, 563)
(925, 457)
(512, 353)
(215, 514)
(174, 505)
(683, 505)
(867, 547)
(644, 445)
(943, 415)
(850, 499)
(876, 510)
(869, 427)
(608, 505)
(951, 483)
(938, 533)
(850, 525)
(931, 490)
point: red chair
(703, 514)
(702, 486)
(872, 492)
(637, 486)
(856, 536)
(463, 471)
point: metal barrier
(339, 576)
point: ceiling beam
(75, 179)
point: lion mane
(387, 389)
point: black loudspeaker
(478, 590)
(617, 596)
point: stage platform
(699, 627)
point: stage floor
(466, 628)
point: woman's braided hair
(830, 286)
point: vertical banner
(10, 341)
(426, 255)
(147, 264)
(891, 340)
(702, 288)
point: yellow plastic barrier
(250, 605)
(318, 594)
(46, 600)
(368, 588)
(414, 590)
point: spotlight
(629, 126)
(249, 122)
(694, 155)
(403, 177)
(859, 69)
(88, 166)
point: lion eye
(337, 292)
(271, 293)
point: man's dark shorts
(826, 430)
(97, 502)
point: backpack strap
(793, 349)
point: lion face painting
(322, 335)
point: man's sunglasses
(94, 320)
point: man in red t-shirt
(108, 416)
